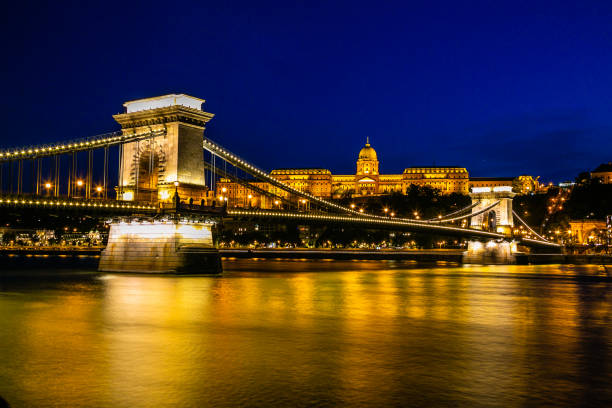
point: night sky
(500, 89)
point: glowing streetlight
(361, 210)
(79, 183)
(223, 189)
(393, 214)
(353, 206)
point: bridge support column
(161, 247)
(490, 252)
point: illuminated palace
(367, 181)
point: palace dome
(367, 152)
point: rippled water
(315, 333)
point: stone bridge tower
(149, 169)
(499, 218)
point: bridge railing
(67, 203)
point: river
(309, 333)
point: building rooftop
(163, 101)
(435, 167)
(491, 178)
(304, 170)
(603, 167)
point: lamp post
(176, 197)
(79, 184)
(48, 187)
(99, 191)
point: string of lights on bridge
(343, 218)
(93, 142)
(77, 203)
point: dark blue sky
(500, 88)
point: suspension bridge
(157, 178)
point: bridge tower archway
(148, 171)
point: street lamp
(353, 206)
(386, 210)
(79, 184)
(99, 191)
(176, 197)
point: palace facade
(367, 181)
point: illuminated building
(603, 172)
(587, 231)
(523, 184)
(367, 181)
(478, 182)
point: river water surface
(309, 333)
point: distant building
(523, 184)
(566, 185)
(491, 182)
(367, 181)
(588, 231)
(604, 172)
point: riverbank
(88, 257)
(432, 255)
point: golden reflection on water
(310, 333)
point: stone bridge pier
(163, 170)
(172, 245)
(498, 219)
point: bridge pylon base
(175, 247)
(490, 253)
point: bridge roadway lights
(491, 252)
(172, 246)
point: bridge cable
(529, 228)
(459, 211)
(245, 183)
